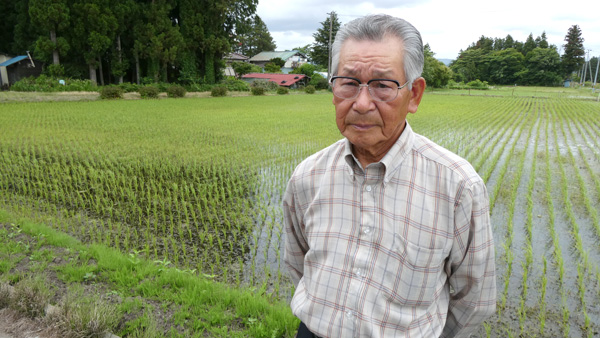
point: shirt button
(349, 314)
(369, 188)
(357, 272)
(366, 230)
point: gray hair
(375, 28)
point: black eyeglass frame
(360, 85)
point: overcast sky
(448, 26)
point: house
(231, 58)
(285, 80)
(292, 59)
(234, 57)
(18, 68)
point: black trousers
(304, 332)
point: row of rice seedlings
(586, 123)
(511, 200)
(504, 168)
(484, 156)
(589, 205)
(557, 252)
(491, 135)
(528, 231)
(465, 135)
(574, 227)
(585, 265)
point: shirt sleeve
(471, 268)
(296, 245)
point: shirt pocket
(413, 273)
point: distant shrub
(129, 87)
(310, 89)
(218, 91)
(56, 71)
(265, 84)
(149, 92)
(319, 82)
(199, 87)
(456, 85)
(75, 85)
(235, 85)
(478, 84)
(282, 90)
(45, 83)
(176, 91)
(111, 92)
(257, 91)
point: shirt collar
(391, 160)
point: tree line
(184, 41)
(502, 61)
(505, 61)
(111, 41)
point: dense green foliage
(253, 38)
(48, 84)
(111, 92)
(435, 72)
(257, 91)
(218, 91)
(574, 55)
(111, 41)
(310, 89)
(149, 92)
(176, 91)
(506, 61)
(243, 68)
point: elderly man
(387, 233)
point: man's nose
(363, 102)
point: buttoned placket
(368, 183)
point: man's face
(372, 126)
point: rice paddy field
(198, 183)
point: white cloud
(448, 26)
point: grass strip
(200, 305)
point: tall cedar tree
(209, 29)
(93, 32)
(320, 50)
(52, 16)
(573, 57)
(255, 39)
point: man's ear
(416, 94)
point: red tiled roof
(281, 79)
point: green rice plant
(543, 290)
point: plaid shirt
(403, 248)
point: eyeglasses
(348, 88)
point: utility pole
(329, 46)
(585, 64)
(596, 76)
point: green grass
(202, 305)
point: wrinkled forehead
(379, 58)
